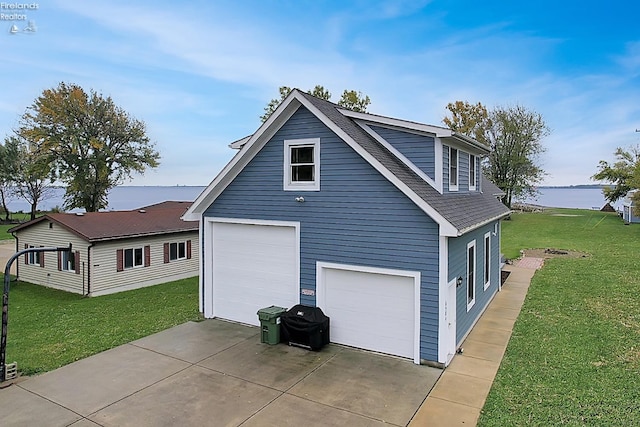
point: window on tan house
(176, 251)
(133, 258)
(34, 258)
(69, 261)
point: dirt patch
(503, 276)
(554, 253)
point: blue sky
(199, 73)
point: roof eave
(250, 147)
(465, 230)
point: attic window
(302, 164)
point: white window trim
(178, 257)
(64, 264)
(34, 257)
(487, 260)
(472, 172)
(454, 187)
(469, 283)
(314, 185)
(124, 258)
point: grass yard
(574, 355)
(49, 328)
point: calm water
(132, 197)
(582, 198)
(120, 198)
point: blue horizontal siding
(457, 267)
(419, 149)
(358, 217)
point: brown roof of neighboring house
(161, 218)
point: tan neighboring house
(112, 251)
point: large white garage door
(370, 308)
(253, 266)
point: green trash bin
(270, 324)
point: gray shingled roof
(465, 211)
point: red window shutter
(166, 253)
(188, 249)
(42, 258)
(77, 261)
(119, 260)
(59, 261)
(147, 256)
(26, 256)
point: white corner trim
(321, 266)
(443, 295)
(439, 165)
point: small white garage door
(374, 309)
(253, 266)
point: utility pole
(5, 301)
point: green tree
(350, 99)
(514, 136)
(355, 101)
(468, 119)
(8, 162)
(30, 171)
(91, 144)
(624, 174)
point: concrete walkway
(7, 250)
(460, 393)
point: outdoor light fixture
(459, 281)
(300, 199)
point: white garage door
(254, 266)
(373, 309)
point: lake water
(120, 198)
(581, 198)
(133, 197)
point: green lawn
(574, 356)
(49, 328)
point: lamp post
(5, 300)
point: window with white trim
(471, 274)
(67, 261)
(34, 257)
(472, 172)
(133, 258)
(487, 260)
(453, 169)
(302, 164)
(177, 250)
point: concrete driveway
(217, 373)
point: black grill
(305, 326)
